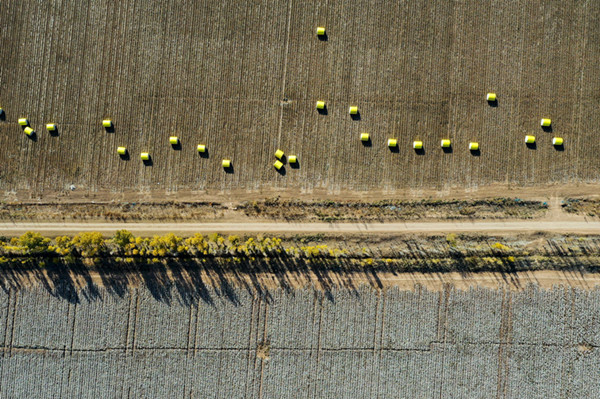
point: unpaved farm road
(325, 279)
(496, 227)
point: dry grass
(243, 77)
(582, 206)
(275, 209)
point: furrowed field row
(316, 343)
(411, 320)
(213, 73)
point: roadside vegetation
(279, 209)
(582, 206)
(386, 210)
(452, 252)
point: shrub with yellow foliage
(169, 244)
(31, 243)
(89, 244)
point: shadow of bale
(281, 171)
(148, 162)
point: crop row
(243, 77)
(362, 343)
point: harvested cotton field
(243, 79)
(155, 342)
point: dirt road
(325, 280)
(278, 228)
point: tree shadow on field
(190, 280)
(185, 280)
(69, 282)
(60, 284)
(189, 283)
(115, 280)
(157, 281)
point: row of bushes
(124, 248)
(124, 243)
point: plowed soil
(243, 78)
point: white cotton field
(363, 343)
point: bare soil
(325, 280)
(243, 78)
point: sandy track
(323, 280)
(499, 227)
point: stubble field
(243, 78)
(306, 343)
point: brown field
(243, 77)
